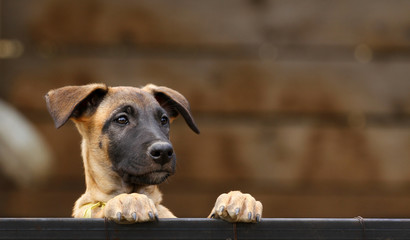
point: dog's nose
(161, 152)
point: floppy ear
(173, 102)
(73, 101)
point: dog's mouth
(150, 178)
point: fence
(198, 228)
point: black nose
(161, 152)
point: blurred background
(303, 103)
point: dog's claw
(151, 216)
(250, 215)
(237, 211)
(156, 216)
(221, 209)
(258, 217)
(134, 216)
(119, 216)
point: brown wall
(304, 104)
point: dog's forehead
(118, 96)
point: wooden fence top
(200, 228)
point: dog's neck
(100, 180)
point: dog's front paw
(237, 207)
(131, 208)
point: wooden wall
(303, 103)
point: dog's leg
(237, 207)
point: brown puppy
(127, 152)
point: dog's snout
(161, 152)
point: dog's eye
(164, 120)
(122, 120)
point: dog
(126, 151)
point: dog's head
(126, 127)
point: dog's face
(127, 128)
(135, 136)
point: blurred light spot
(25, 157)
(357, 120)
(11, 48)
(268, 52)
(363, 53)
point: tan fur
(126, 203)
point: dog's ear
(73, 101)
(173, 102)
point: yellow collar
(90, 207)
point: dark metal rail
(199, 228)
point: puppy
(127, 152)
